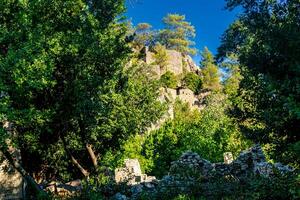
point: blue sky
(208, 16)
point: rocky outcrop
(251, 161)
(64, 189)
(176, 63)
(168, 95)
(179, 64)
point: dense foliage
(209, 133)
(266, 39)
(77, 99)
(169, 80)
(64, 87)
(193, 82)
(210, 72)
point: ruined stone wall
(190, 168)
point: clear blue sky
(208, 16)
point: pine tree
(143, 36)
(177, 34)
(210, 72)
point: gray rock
(120, 196)
(137, 189)
(190, 168)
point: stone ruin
(190, 168)
(178, 64)
(251, 161)
(132, 174)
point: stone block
(228, 157)
(133, 166)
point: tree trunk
(92, 155)
(74, 161)
(15, 163)
(88, 146)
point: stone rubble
(132, 174)
(190, 168)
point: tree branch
(92, 155)
(74, 161)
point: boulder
(12, 184)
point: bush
(160, 56)
(193, 82)
(209, 133)
(169, 80)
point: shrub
(169, 80)
(193, 82)
(160, 56)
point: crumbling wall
(131, 173)
(190, 168)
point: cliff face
(177, 63)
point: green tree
(233, 76)
(62, 84)
(193, 82)
(160, 56)
(129, 111)
(210, 71)
(177, 34)
(143, 36)
(266, 40)
(210, 133)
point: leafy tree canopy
(63, 86)
(177, 34)
(266, 40)
(210, 71)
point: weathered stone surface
(133, 166)
(190, 168)
(131, 173)
(65, 189)
(177, 63)
(187, 96)
(11, 182)
(228, 157)
(174, 62)
(121, 175)
(190, 65)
